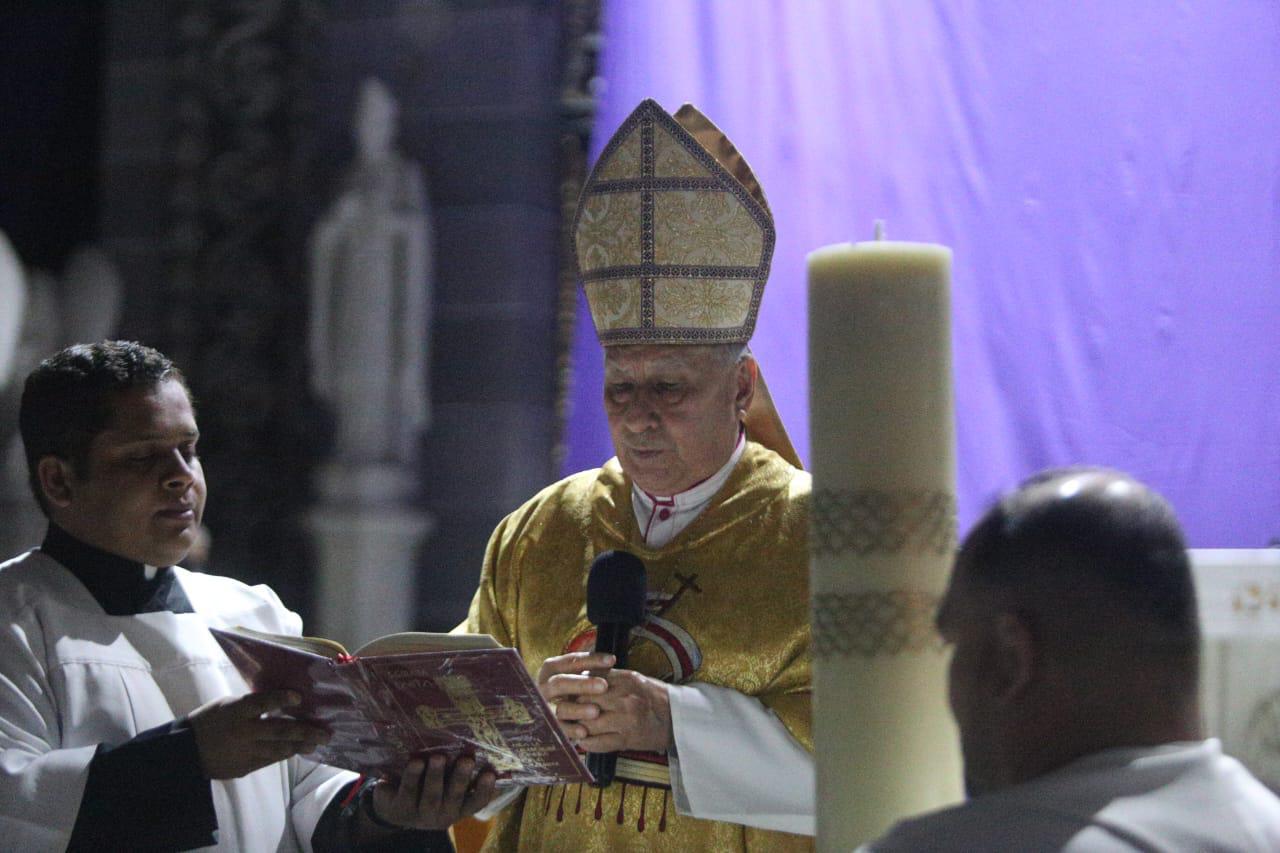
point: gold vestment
(729, 606)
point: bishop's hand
(568, 684)
(617, 709)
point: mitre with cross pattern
(673, 236)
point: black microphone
(615, 604)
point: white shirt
(661, 519)
(72, 677)
(1177, 797)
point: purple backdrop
(1108, 176)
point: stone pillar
(367, 537)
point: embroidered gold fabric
(736, 585)
(615, 302)
(609, 230)
(706, 230)
(718, 145)
(672, 216)
(715, 303)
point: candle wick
(879, 229)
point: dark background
(197, 142)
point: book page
(422, 641)
(315, 645)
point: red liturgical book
(410, 695)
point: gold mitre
(673, 234)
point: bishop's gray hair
(731, 354)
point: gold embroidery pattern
(469, 711)
(705, 229)
(705, 303)
(614, 303)
(874, 622)
(624, 161)
(671, 160)
(693, 222)
(870, 521)
(608, 233)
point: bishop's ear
(54, 476)
(747, 371)
(1015, 655)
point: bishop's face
(141, 493)
(673, 412)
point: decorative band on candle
(870, 521)
(876, 622)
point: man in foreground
(711, 718)
(1075, 684)
(122, 726)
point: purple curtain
(1107, 175)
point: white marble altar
(1239, 596)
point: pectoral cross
(469, 711)
(686, 582)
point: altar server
(1075, 684)
(122, 724)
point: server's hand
(434, 795)
(234, 737)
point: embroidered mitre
(672, 234)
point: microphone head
(616, 589)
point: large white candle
(883, 533)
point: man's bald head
(1093, 548)
(1072, 615)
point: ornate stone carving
(580, 46)
(235, 286)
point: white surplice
(73, 677)
(1177, 797)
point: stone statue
(13, 304)
(53, 312)
(49, 313)
(371, 265)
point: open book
(410, 695)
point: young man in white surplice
(122, 724)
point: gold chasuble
(728, 604)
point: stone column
(367, 536)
